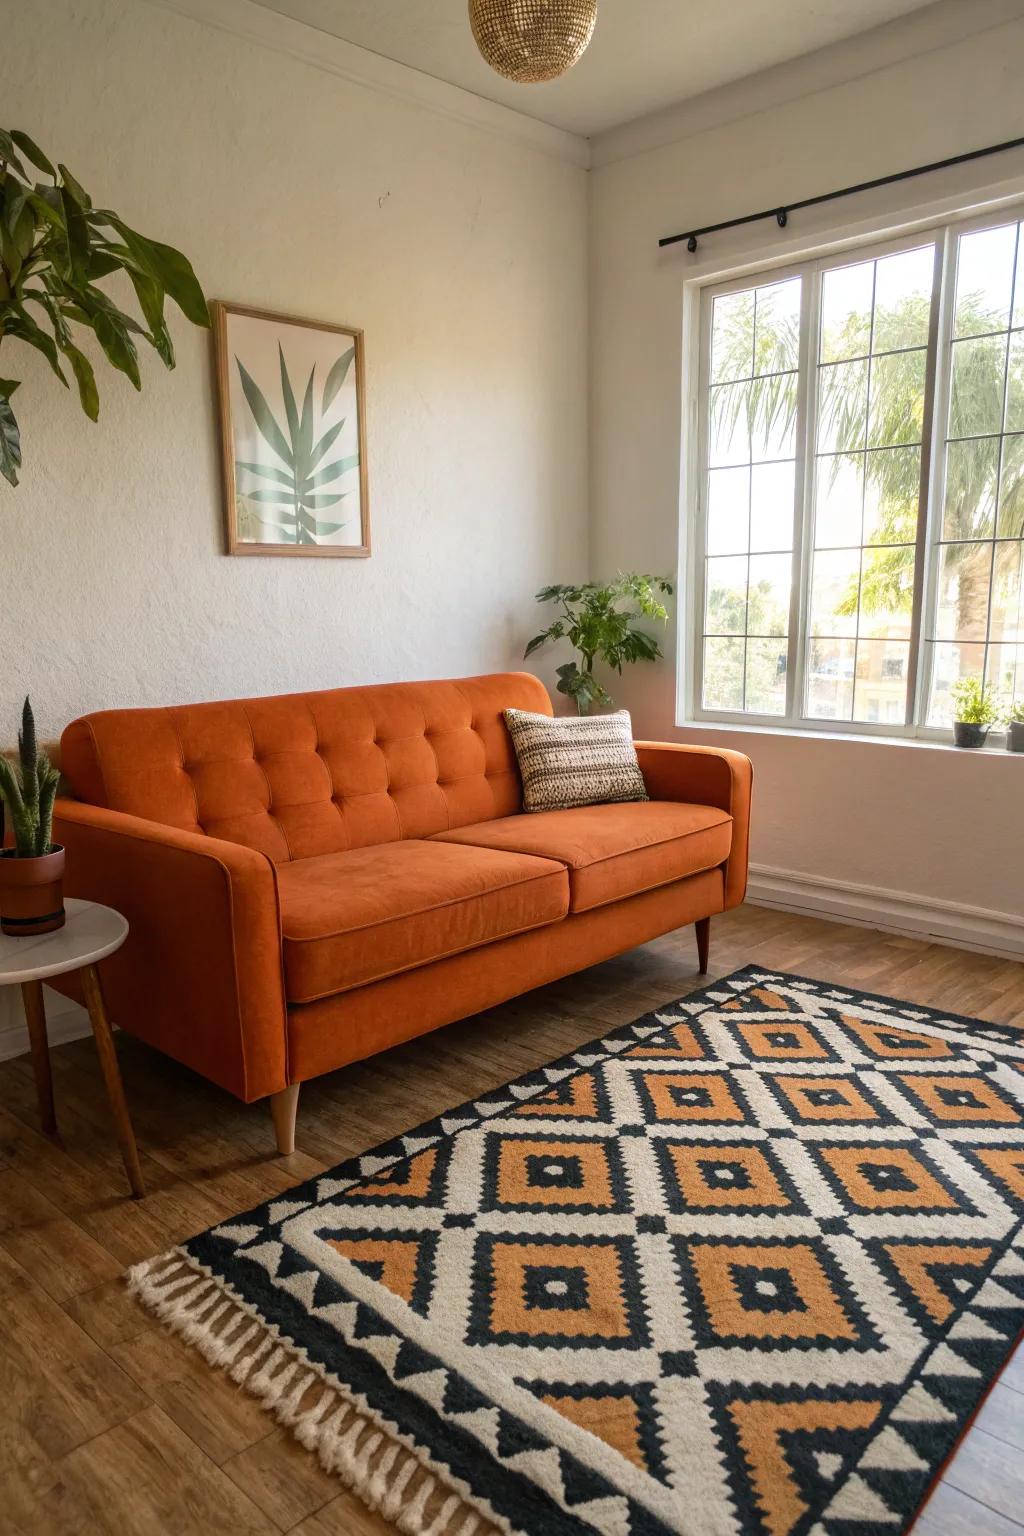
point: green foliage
(971, 704)
(296, 493)
(598, 619)
(29, 789)
(54, 248)
(1015, 713)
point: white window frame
(945, 234)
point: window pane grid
(975, 628)
(861, 336)
(867, 487)
(749, 498)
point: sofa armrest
(200, 974)
(705, 776)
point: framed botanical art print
(293, 434)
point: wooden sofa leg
(703, 927)
(284, 1107)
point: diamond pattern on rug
(744, 1268)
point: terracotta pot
(31, 892)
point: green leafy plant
(598, 620)
(971, 704)
(29, 788)
(297, 492)
(54, 248)
(1015, 713)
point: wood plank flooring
(110, 1425)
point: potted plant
(600, 628)
(1015, 726)
(31, 873)
(974, 713)
(55, 246)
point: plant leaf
(291, 410)
(322, 530)
(74, 187)
(85, 378)
(337, 376)
(304, 441)
(261, 495)
(268, 474)
(170, 268)
(327, 441)
(10, 440)
(118, 346)
(264, 417)
(31, 151)
(151, 301)
(320, 503)
(330, 472)
(22, 325)
(9, 153)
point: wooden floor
(108, 1424)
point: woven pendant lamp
(532, 40)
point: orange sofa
(315, 877)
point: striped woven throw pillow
(570, 762)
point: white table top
(90, 933)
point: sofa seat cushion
(354, 917)
(611, 851)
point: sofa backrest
(310, 773)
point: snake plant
(29, 789)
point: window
(860, 529)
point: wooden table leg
(112, 1077)
(35, 1014)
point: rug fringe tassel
(393, 1478)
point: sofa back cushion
(311, 773)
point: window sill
(858, 738)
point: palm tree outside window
(861, 521)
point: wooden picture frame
(286, 397)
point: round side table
(90, 934)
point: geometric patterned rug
(745, 1267)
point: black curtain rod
(781, 214)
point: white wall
(456, 244)
(924, 821)
(452, 232)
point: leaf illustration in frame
(264, 417)
(327, 441)
(336, 378)
(330, 472)
(293, 395)
(267, 472)
(290, 408)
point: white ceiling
(645, 54)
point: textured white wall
(459, 251)
(921, 820)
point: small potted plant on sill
(31, 873)
(598, 619)
(974, 713)
(1015, 727)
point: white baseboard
(944, 922)
(64, 1021)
